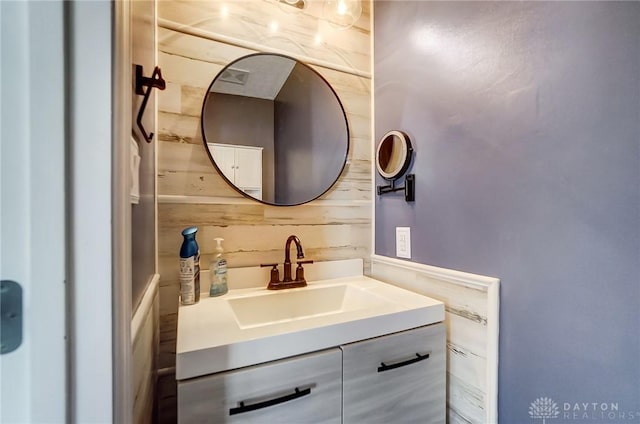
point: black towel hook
(155, 81)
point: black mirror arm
(409, 188)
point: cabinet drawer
(390, 379)
(304, 389)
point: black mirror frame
(344, 115)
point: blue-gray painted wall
(525, 117)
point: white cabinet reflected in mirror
(241, 165)
(286, 111)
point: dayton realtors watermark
(600, 411)
(545, 408)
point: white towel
(134, 174)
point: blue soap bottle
(189, 267)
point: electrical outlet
(403, 242)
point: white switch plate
(403, 242)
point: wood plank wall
(190, 191)
(144, 356)
(471, 315)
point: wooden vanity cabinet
(398, 378)
(303, 389)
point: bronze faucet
(287, 282)
(287, 257)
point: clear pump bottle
(218, 271)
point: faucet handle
(275, 274)
(300, 270)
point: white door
(248, 167)
(225, 159)
(32, 203)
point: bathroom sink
(269, 308)
(255, 325)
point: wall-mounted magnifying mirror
(275, 129)
(393, 157)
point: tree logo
(544, 408)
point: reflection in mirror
(393, 155)
(275, 129)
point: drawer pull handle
(418, 358)
(247, 408)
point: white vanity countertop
(212, 339)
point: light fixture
(342, 14)
(297, 4)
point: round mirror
(393, 155)
(275, 129)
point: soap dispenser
(218, 271)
